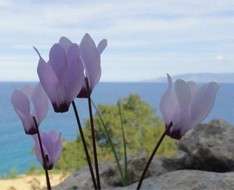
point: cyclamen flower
(52, 147)
(22, 101)
(62, 76)
(184, 105)
(91, 57)
(91, 60)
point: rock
(135, 167)
(177, 180)
(70, 183)
(209, 147)
(204, 161)
(110, 176)
(187, 180)
(177, 162)
(82, 180)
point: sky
(146, 39)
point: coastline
(30, 181)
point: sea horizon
(16, 148)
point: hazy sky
(146, 38)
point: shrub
(142, 127)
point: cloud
(148, 38)
(219, 57)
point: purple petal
(74, 74)
(183, 94)
(65, 43)
(21, 105)
(57, 145)
(203, 102)
(169, 104)
(53, 145)
(58, 61)
(91, 58)
(40, 103)
(20, 102)
(37, 149)
(27, 90)
(58, 148)
(102, 45)
(47, 142)
(49, 82)
(193, 88)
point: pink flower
(52, 147)
(185, 105)
(62, 76)
(21, 100)
(91, 57)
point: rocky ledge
(204, 161)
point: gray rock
(204, 161)
(209, 147)
(177, 162)
(187, 180)
(177, 180)
(110, 176)
(76, 180)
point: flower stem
(84, 144)
(94, 143)
(42, 155)
(152, 155)
(110, 141)
(124, 145)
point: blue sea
(16, 147)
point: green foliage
(142, 129)
(73, 157)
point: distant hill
(203, 77)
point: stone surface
(209, 147)
(188, 180)
(176, 180)
(204, 161)
(110, 176)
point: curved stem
(152, 155)
(84, 144)
(43, 155)
(124, 145)
(110, 141)
(94, 143)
